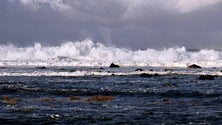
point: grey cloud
(111, 22)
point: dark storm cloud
(133, 24)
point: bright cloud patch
(190, 5)
(133, 5)
(36, 4)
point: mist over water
(89, 53)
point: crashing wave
(88, 53)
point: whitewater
(89, 53)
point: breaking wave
(88, 53)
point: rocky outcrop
(168, 70)
(194, 66)
(206, 77)
(41, 67)
(139, 69)
(145, 75)
(112, 65)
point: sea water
(58, 85)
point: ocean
(73, 84)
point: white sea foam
(88, 53)
(80, 73)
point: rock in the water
(74, 98)
(139, 70)
(168, 85)
(41, 67)
(9, 101)
(156, 75)
(194, 66)
(166, 100)
(114, 66)
(168, 70)
(145, 75)
(100, 98)
(206, 77)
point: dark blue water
(164, 99)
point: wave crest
(88, 53)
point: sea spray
(89, 53)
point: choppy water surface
(87, 95)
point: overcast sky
(125, 23)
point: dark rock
(168, 70)
(67, 70)
(156, 75)
(62, 69)
(71, 70)
(168, 85)
(41, 67)
(150, 113)
(112, 65)
(151, 70)
(206, 77)
(145, 75)
(166, 100)
(139, 70)
(194, 66)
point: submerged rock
(9, 101)
(74, 98)
(23, 110)
(206, 77)
(67, 70)
(194, 66)
(47, 100)
(166, 100)
(168, 85)
(100, 98)
(112, 65)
